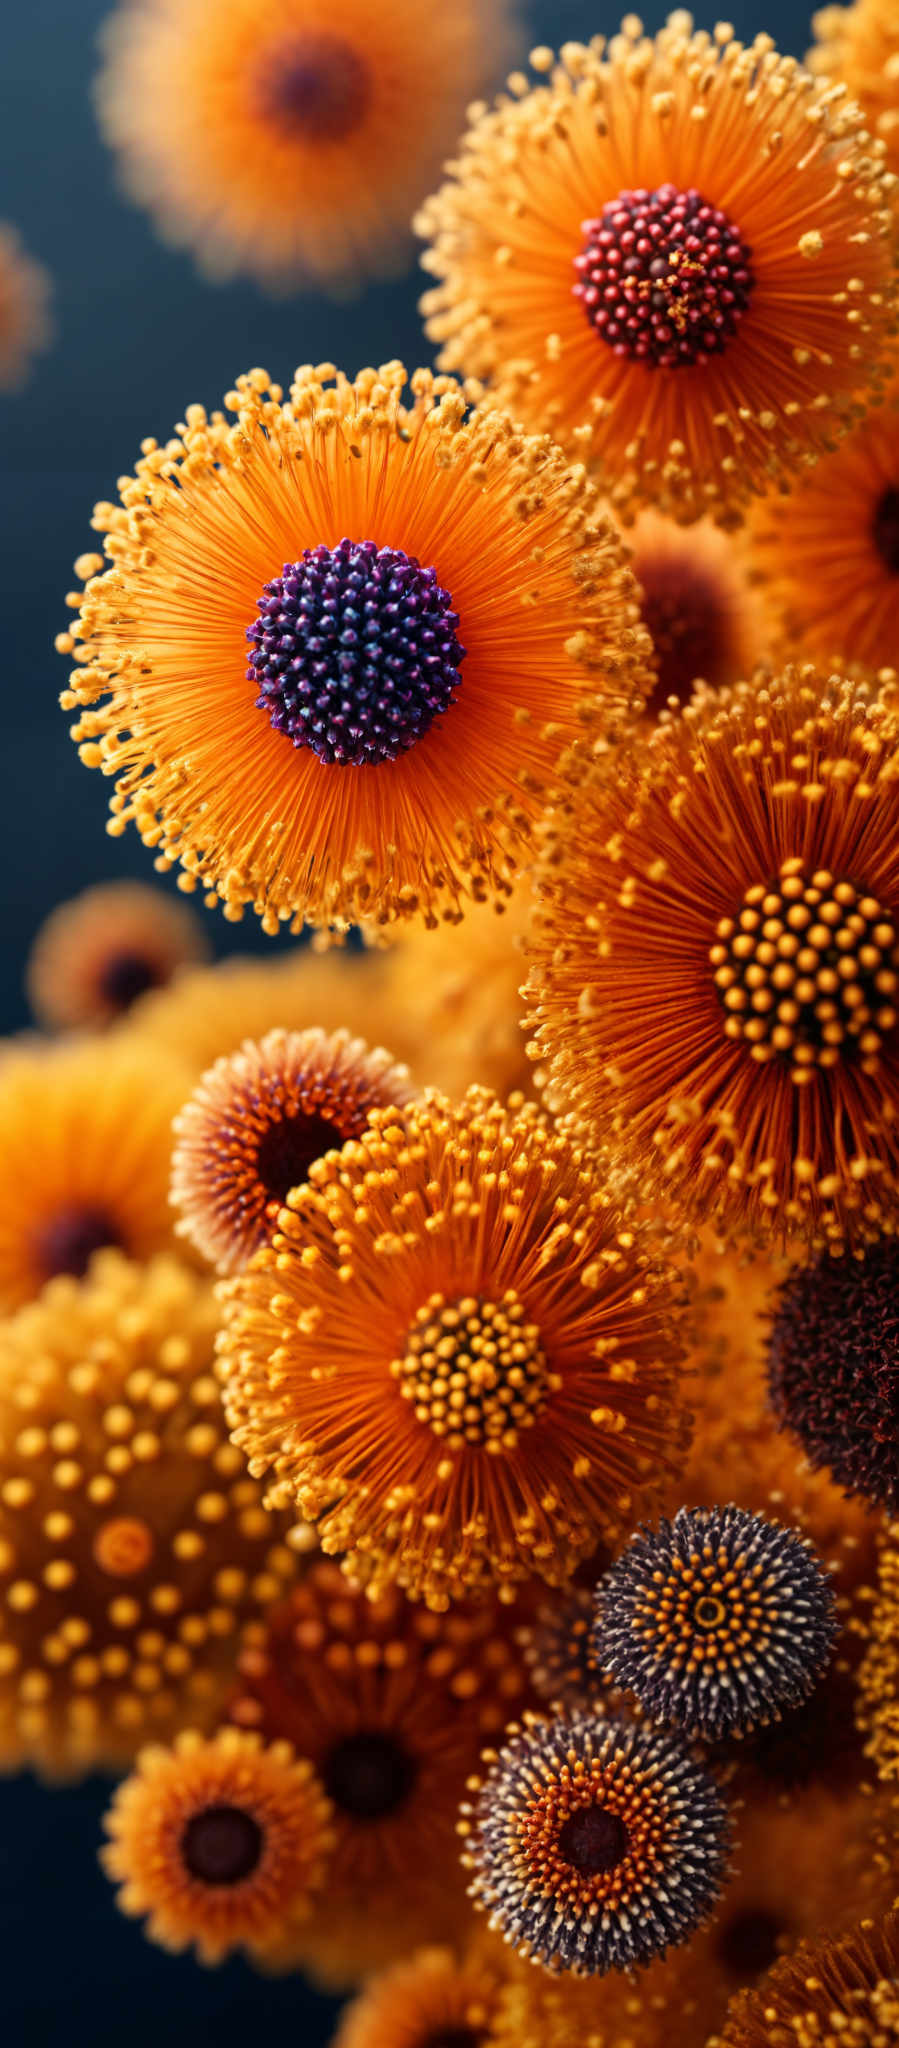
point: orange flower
(466, 1377)
(830, 1994)
(432, 2000)
(715, 981)
(94, 956)
(351, 772)
(221, 1842)
(859, 46)
(702, 614)
(252, 1129)
(734, 348)
(829, 553)
(302, 132)
(24, 297)
(207, 1012)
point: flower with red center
(432, 2000)
(85, 1137)
(302, 134)
(95, 956)
(221, 1843)
(828, 555)
(733, 1020)
(392, 1704)
(858, 47)
(457, 1357)
(595, 1845)
(256, 1123)
(702, 614)
(133, 1545)
(338, 683)
(614, 255)
(835, 1993)
(24, 299)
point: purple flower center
(354, 652)
(313, 86)
(663, 277)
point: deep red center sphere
(663, 277)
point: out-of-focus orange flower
(95, 956)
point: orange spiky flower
(828, 555)
(258, 1119)
(468, 1377)
(702, 614)
(302, 133)
(831, 1994)
(24, 300)
(133, 1545)
(733, 1021)
(94, 956)
(392, 1704)
(432, 2000)
(222, 1843)
(858, 46)
(285, 760)
(614, 254)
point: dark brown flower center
(748, 1943)
(593, 1841)
(287, 1149)
(67, 1241)
(369, 1775)
(222, 1845)
(313, 86)
(886, 528)
(684, 611)
(125, 976)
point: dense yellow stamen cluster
(707, 1614)
(474, 1370)
(841, 1993)
(808, 971)
(878, 1678)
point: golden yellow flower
(94, 956)
(831, 1994)
(858, 46)
(342, 644)
(617, 254)
(434, 1999)
(467, 1377)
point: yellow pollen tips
(710, 1613)
(123, 1546)
(808, 970)
(474, 1370)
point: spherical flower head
(392, 1704)
(133, 1546)
(302, 135)
(764, 980)
(717, 1621)
(841, 1993)
(220, 1842)
(595, 1845)
(363, 769)
(613, 255)
(699, 607)
(827, 556)
(456, 1357)
(431, 2000)
(24, 301)
(96, 955)
(858, 47)
(256, 1123)
(85, 1138)
(833, 1369)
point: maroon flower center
(125, 976)
(313, 86)
(287, 1149)
(369, 1775)
(222, 1845)
(886, 529)
(748, 1943)
(593, 1840)
(663, 277)
(685, 613)
(67, 1241)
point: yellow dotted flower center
(123, 1546)
(807, 971)
(709, 1612)
(474, 1370)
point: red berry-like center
(663, 277)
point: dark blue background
(138, 336)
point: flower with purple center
(355, 652)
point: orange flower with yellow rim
(828, 555)
(342, 644)
(734, 1021)
(614, 253)
(467, 1377)
(24, 299)
(223, 1844)
(96, 955)
(858, 47)
(703, 616)
(301, 135)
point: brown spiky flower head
(842, 1993)
(258, 1119)
(392, 1704)
(96, 955)
(858, 47)
(733, 1019)
(133, 1545)
(220, 1842)
(457, 1358)
(614, 253)
(342, 643)
(595, 1845)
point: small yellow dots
(474, 1370)
(21, 1596)
(123, 1547)
(124, 1612)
